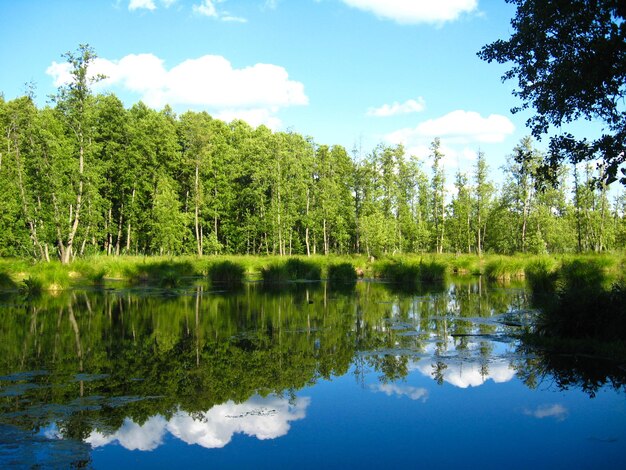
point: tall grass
(583, 298)
(505, 268)
(291, 269)
(342, 274)
(226, 273)
(408, 272)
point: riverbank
(22, 274)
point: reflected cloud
(556, 411)
(464, 374)
(263, 418)
(414, 393)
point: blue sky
(348, 72)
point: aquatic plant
(503, 268)
(226, 273)
(409, 272)
(52, 276)
(584, 300)
(342, 273)
(292, 269)
(541, 274)
(7, 282)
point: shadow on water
(570, 371)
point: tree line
(86, 175)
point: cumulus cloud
(263, 418)
(209, 82)
(133, 436)
(141, 4)
(464, 374)
(459, 127)
(414, 393)
(206, 8)
(209, 8)
(413, 12)
(557, 411)
(409, 106)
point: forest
(85, 175)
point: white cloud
(256, 92)
(459, 127)
(409, 106)
(263, 418)
(132, 436)
(416, 11)
(413, 393)
(139, 4)
(233, 19)
(209, 8)
(206, 8)
(558, 412)
(465, 374)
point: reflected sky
(263, 418)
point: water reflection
(133, 367)
(465, 374)
(263, 418)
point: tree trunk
(128, 231)
(197, 209)
(306, 230)
(120, 224)
(66, 255)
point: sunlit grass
(226, 273)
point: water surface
(302, 376)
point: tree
(520, 191)
(73, 104)
(460, 210)
(438, 194)
(570, 63)
(482, 200)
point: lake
(304, 376)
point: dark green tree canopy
(570, 63)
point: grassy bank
(232, 270)
(582, 304)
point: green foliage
(163, 273)
(342, 273)
(570, 63)
(226, 273)
(504, 268)
(583, 298)
(293, 269)
(7, 282)
(52, 276)
(411, 272)
(541, 274)
(89, 177)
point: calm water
(303, 377)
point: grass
(173, 271)
(291, 269)
(226, 273)
(505, 268)
(342, 273)
(581, 301)
(409, 271)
